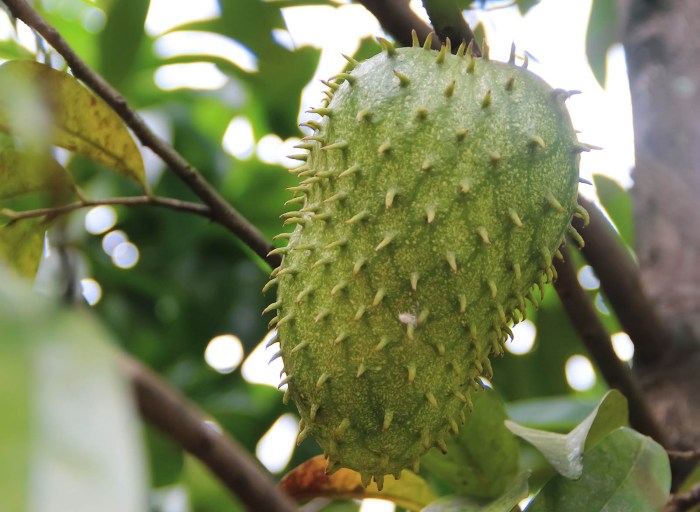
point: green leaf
(516, 492)
(78, 447)
(624, 471)
(279, 82)
(483, 460)
(81, 122)
(480, 33)
(565, 451)
(526, 5)
(12, 50)
(618, 203)
(254, 30)
(22, 172)
(601, 35)
(611, 413)
(206, 492)
(21, 245)
(166, 458)
(15, 384)
(557, 413)
(118, 53)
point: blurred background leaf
(74, 430)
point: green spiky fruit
(435, 192)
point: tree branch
(171, 413)
(448, 21)
(223, 212)
(397, 18)
(597, 341)
(689, 455)
(684, 501)
(620, 280)
(164, 202)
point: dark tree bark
(663, 57)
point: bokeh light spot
(125, 255)
(92, 291)
(523, 338)
(287, 149)
(112, 239)
(185, 42)
(269, 149)
(224, 353)
(375, 505)
(193, 75)
(257, 368)
(164, 15)
(600, 304)
(100, 219)
(623, 346)
(275, 448)
(587, 278)
(579, 373)
(238, 138)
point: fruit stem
(448, 22)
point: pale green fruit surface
(434, 194)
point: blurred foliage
(71, 435)
(600, 36)
(195, 281)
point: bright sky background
(553, 32)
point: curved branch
(397, 18)
(620, 280)
(223, 212)
(685, 501)
(179, 419)
(448, 21)
(689, 455)
(164, 202)
(597, 341)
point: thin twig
(684, 501)
(397, 18)
(448, 21)
(619, 279)
(175, 416)
(223, 212)
(689, 455)
(164, 202)
(597, 340)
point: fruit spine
(436, 189)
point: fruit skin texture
(435, 192)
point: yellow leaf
(79, 121)
(309, 480)
(23, 172)
(21, 245)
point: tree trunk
(663, 58)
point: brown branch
(163, 407)
(597, 340)
(164, 202)
(448, 21)
(619, 279)
(396, 17)
(684, 501)
(689, 455)
(223, 212)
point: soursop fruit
(435, 191)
